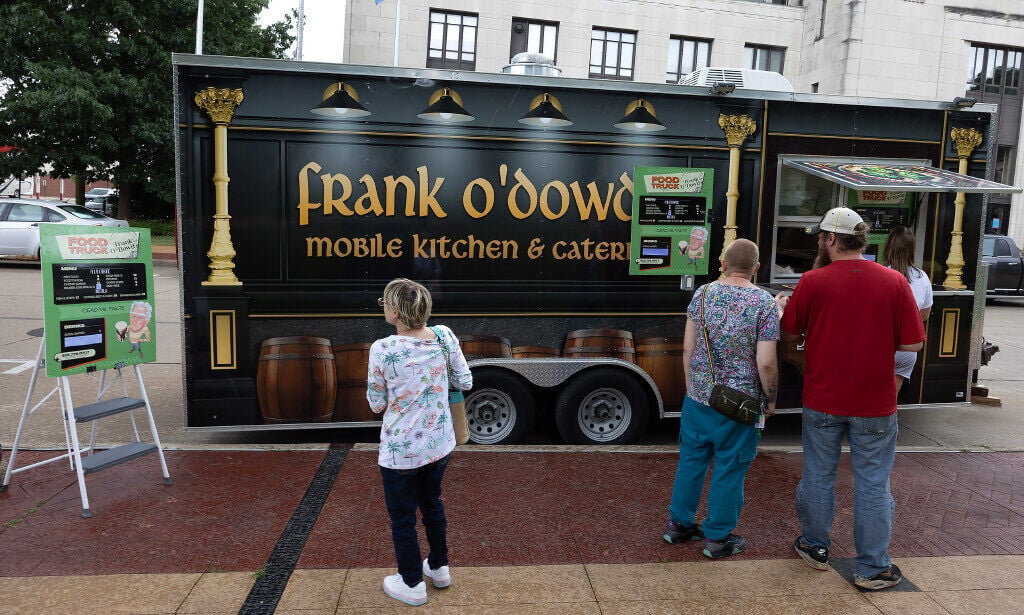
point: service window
(801, 201)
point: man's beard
(822, 258)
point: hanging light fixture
(640, 118)
(545, 112)
(340, 102)
(445, 106)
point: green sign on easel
(97, 297)
(669, 232)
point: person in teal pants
(736, 324)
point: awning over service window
(896, 177)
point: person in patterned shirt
(408, 380)
(742, 328)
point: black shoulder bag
(727, 401)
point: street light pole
(199, 29)
(299, 27)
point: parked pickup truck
(1005, 265)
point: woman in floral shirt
(408, 381)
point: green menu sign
(97, 297)
(669, 231)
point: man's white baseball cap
(841, 220)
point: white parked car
(20, 218)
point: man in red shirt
(853, 314)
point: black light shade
(445, 107)
(640, 118)
(545, 112)
(340, 102)
(964, 102)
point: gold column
(737, 128)
(220, 105)
(966, 140)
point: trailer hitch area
(987, 350)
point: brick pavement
(227, 509)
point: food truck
(560, 224)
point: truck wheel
(602, 406)
(500, 408)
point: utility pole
(199, 29)
(299, 27)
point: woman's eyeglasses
(380, 301)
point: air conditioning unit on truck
(568, 216)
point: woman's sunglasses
(380, 301)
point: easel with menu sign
(98, 304)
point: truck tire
(500, 408)
(602, 406)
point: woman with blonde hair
(900, 246)
(408, 380)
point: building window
(534, 37)
(763, 57)
(611, 53)
(996, 69)
(821, 21)
(452, 40)
(686, 55)
(814, 88)
(1005, 160)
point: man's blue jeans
(872, 452)
(404, 491)
(705, 434)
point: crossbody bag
(727, 401)
(456, 399)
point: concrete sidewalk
(553, 532)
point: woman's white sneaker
(395, 587)
(440, 577)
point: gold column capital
(219, 103)
(737, 128)
(966, 139)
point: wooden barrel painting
(351, 361)
(662, 359)
(534, 352)
(295, 380)
(485, 346)
(591, 343)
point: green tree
(85, 85)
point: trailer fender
(553, 372)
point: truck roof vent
(528, 63)
(743, 78)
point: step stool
(89, 413)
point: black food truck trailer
(561, 225)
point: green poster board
(881, 210)
(669, 232)
(97, 297)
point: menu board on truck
(97, 297)
(669, 230)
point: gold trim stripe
(810, 136)
(470, 137)
(223, 340)
(443, 315)
(760, 191)
(950, 336)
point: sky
(323, 35)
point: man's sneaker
(676, 533)
(731, 545)
(816, 557)
(886, 578)
(440, 577)
(395, 587)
